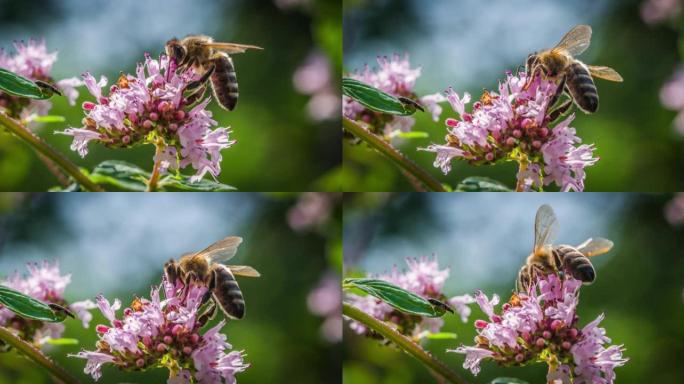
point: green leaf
(62, 341)
(442, 336)
(49, 119)
(183, 183)
(397, 297)
(481, 184)
(376, 99)
(121, 174)
(20, 86)
(413, 135)
(27, 306)
(508, 380)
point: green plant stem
(399, 159)
(403, 342)
(44, 149)
(37, 356)
(522, 167)
(154, 178)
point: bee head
(175, 50)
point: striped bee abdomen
(227, 293)
(581, 87)
(576, 263)
(224, 81)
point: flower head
(395, 77)
(657, 11)
(424, 278)
(154, 107)
(672, 97)
(34, 62)
(516, 124)
(45, 283)
(542, 325)
(326, 300)
(314, 78)
(164, 331)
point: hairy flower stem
(522, 167)
(154, 179)
(399, 159)
(44, 149)
(37, 356)
(403, 342)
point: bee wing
(222, 250)
(545, 227)
(576, 41)
(606, 73)
(595, 246)
(231, 47)
(244, 270)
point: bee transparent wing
(606, 73)
(222, 250)
(244, 270)
(545, 227)
(595, 246)
(231, 47)
(576, 41)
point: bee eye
(178, 52)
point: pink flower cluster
(326, 300)
(312, 210)
(314, 77)
(657, 11)
(44, 283)
(541, 325)
(151, 108)
(164, 332)
(395, 77)
(515, 124)
(423, 278)
(34, 62)
(672, 97)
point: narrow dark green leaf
(20, 86)
(481, 184)
(183, 183)
(49, 119)
(508, 380)
(121, 174)
(29, 307)
(442, 336)
(376, 99)
(397, 297)
(62, 341)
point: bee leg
(560, 110)
(201, 81)
(195, 96)
(208, 314)
(559, 91)
(172, 271)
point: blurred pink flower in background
(674, 210)
(424, 278)
(45, 283)
(290, 4)
(314, 78)
(34, 62)
(657, 11)
(672, 97)
(326, 301)
(164, 332)
(312, 210)
(395, 77)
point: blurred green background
(116, 244)
(469, 44)
(484, 239)
(283, 143)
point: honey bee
(211, 60)
(205, 267)
(573, 76)
(547, 258)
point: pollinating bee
(211, 60)
(547, 258)
(206, 268)
(573, 76)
